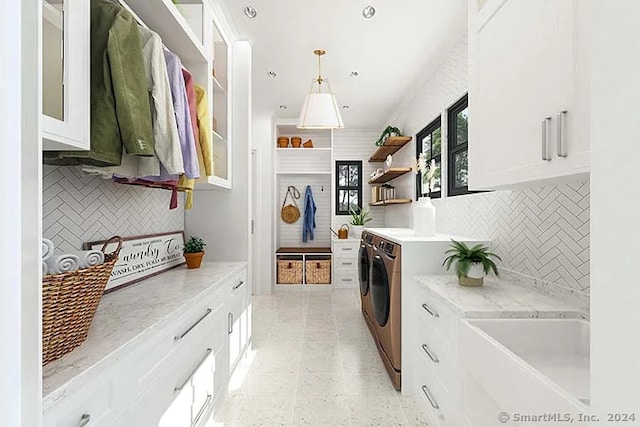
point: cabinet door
(65, 74)
(521, 71)
(236, 324)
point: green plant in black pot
(386, 133)
(193, 251)
(472, 263)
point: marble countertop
(127, 316)
(408, 235)
(497, 298)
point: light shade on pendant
(320, 110)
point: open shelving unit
(391, 202)
(390, 146)
(388, 175)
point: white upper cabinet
(528, 92)
(65, 74)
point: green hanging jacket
(120, 111)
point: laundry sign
(142, 257)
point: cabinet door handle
(238, 285)
(84, 420)
(177, 389)
(230, 318)
(347, 263)
(562, 149)
(431, 400)
(202, 410)
(184, 334)
(430, 310)
(545, 133)
(432, 356)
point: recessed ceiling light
(354, 74)
(251, 12)
(368, 12)
(283, 107)
(272, 74)
(345, 107)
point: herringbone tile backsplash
(541, 232)
(78, 208)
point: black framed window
(429, 141)
(348, 186)
(458, 147)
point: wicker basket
(289, 271)
(69, 302)
(318, 272)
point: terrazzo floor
(314, 363)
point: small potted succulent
(471, 263)
(193, 251)
(359, 217)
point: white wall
(541, 232)
(349, 144)
(615, 209)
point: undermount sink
(528, 364)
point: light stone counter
(497, 298)
(127, 316)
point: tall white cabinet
(528, 91)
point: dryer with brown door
(364, 268)
(385, 289)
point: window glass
(348, 186)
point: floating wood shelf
(390, 146)
(391, 202)
(389, 175)
(303, 251)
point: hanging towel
(120, 114)
(62, 263)
(89, 258)
(47, 249)
(309, 215)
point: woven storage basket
(69, 302)
(289, 272)
(318, 272)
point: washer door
(380, 295)
(363, 270)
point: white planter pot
(475, 276)
(356, 230)
(424, 217)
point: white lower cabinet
(176, 377)
(345, 262)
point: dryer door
(380, 295)
(363, 269)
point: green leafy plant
(464, 256)
(359, 216)
(386, 133)
(194, 244)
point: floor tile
(376, 411)
(369, 385)
(320, 384)
(265, 411)
(320, 412)
(258, 384)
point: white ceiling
(391, 51)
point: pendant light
(320, 110)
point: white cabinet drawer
(345, 263)
(92, 407)
(238, 283)
(345, 278)
(433, 396)
(434, 316)
(345, 248)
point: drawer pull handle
(430, 310)
(202, 410)
(347, 280)
(177, 389)
(84, 420)
(347, 263)
(347, 249)
(230, 326)
(431, 400)
(184, 334)
(433, 357)
(238, 285)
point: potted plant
(359, 217)
(386, 133)
(471, 263)
(193, 251)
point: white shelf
(302, 149)
(303, 173)
(163, 17)
(217, 136)
(218, 87)
(213, 183)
